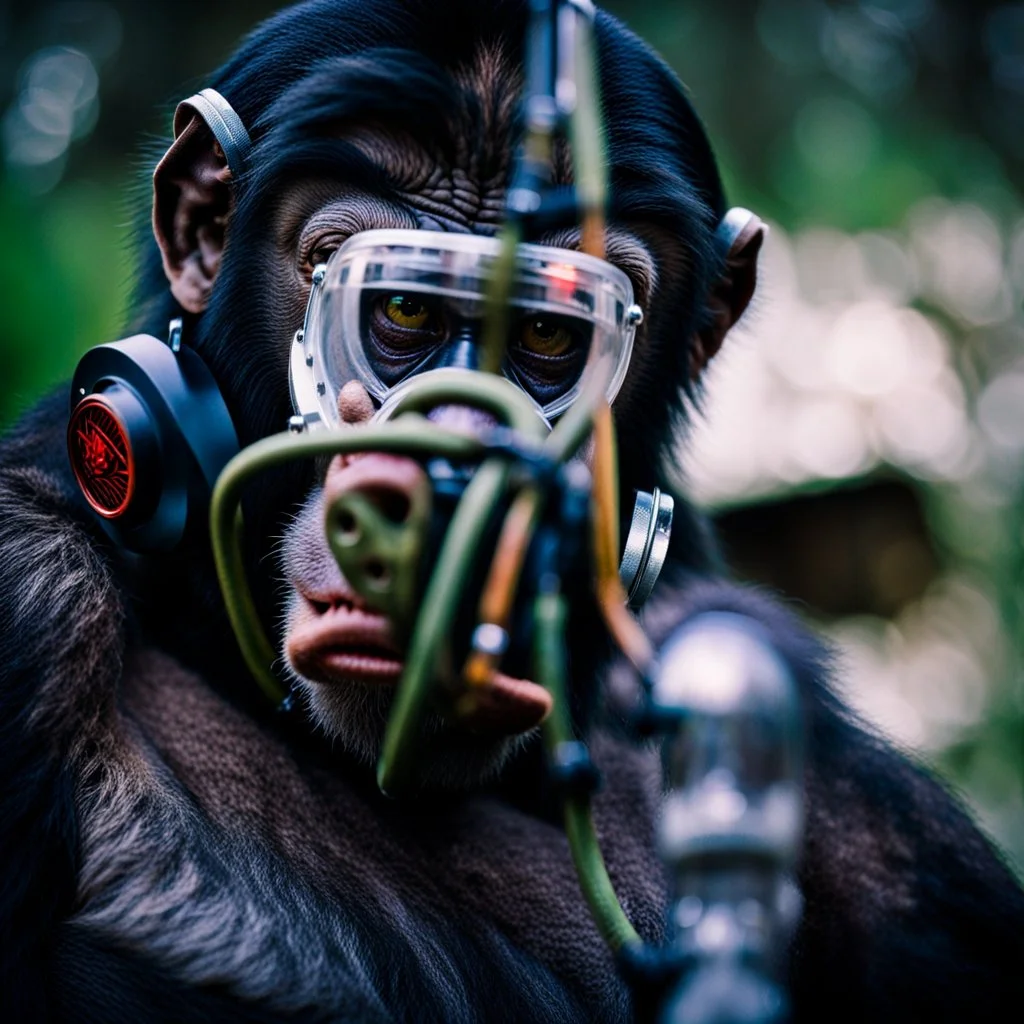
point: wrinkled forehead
(392, 139)
(395, 119)
(421, 194)
(430, 149)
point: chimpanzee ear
(743, 233)
(191, 205)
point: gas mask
(539, 339)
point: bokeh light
(850, 366)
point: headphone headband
(223, 122)
(736, 221)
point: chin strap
(223, 122)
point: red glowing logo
(101, 457)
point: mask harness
(533, 335)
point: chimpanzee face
(343, 652)
(410, 154)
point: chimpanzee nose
(378, 512)
(384, 482)
(372, 489)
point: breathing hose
(550, 666)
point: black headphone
(149, 431)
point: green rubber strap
(549, 655)
(576, 424)
(510, 405)
(459, 550)
(499, 293)
(586, 128)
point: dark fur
(171, 850)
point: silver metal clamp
(646, 545)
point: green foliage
(64, 279)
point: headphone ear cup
(148, 436)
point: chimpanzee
(173, 849)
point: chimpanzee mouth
(338, 641)
(359, 661)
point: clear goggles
(392, 304)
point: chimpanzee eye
(545, 337)
(408, 312)
(321, 254)
(318, 248)
(547, 354)
(399, 331)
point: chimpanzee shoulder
(910, 912)
(61, 645)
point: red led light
(101, 457)
(564, 277)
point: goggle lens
(393, 304)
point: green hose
(576, 424)
(498, 297)
(413, 437)
(549, 655)
(586, 128)
(492, 394)
(433, 627)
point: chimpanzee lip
(359, 662)
(336, 641)
(343, 643)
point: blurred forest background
(862, 442)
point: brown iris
(545, 337)
(407, 312)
